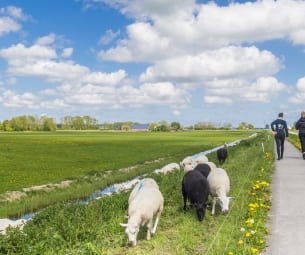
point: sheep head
(131, 231)
(224, 203)
(188, 164)
(200, 210)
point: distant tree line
(44, 123)
(28, 123)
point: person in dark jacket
(280, 130)
(300, 125)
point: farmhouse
(140, 127)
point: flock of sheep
(201, 179)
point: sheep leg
(184, 193)
(149, 226)
(156, 223)
(213, 205)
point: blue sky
(152, 60)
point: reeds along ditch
(71, 228)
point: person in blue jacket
(280, 130)
(300, 125)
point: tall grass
(71, 228)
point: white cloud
(10, 18)
(13, 100)
(198, 27)
(217, 100)
(108, 37)
(46, 40)
(299, 95)
(176, 112)
(19, 54)
(55, 104)
(67, 52)
(42, 61)
(236, 90)
(7, 25)
(100, 78)
(246, 62)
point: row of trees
(44, 123)
(28, 123)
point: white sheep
(201, 159)
(145, 201)
(188, 164)
(219, 187)
(168, 168)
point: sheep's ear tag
(124, 225)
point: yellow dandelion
(249, 221)
(240, 241)
(230, 253)
(248, 234)
(254, 250)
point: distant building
(140, 127)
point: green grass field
(28, 159)
(73, 228)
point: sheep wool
(145, 202)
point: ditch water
(115, 188)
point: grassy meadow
(72, 228)
(93, 160)
(28, 159)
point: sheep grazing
(168, 168)
(219, 187)
(188, 164)
(195, 189)
(145, 201)
(222, 154)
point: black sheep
(195, 189)
(222, 154)
(204, 169)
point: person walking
(300, 125)
(280, 130)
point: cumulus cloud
(67, 52)
(197, 27)
(10, 19)
(41, 60)
(11, 99)
(46, 40)
(185, 46)
(237, 90)
(231, 61)
(299, 94)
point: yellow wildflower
(254, 250)
(249, 221)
